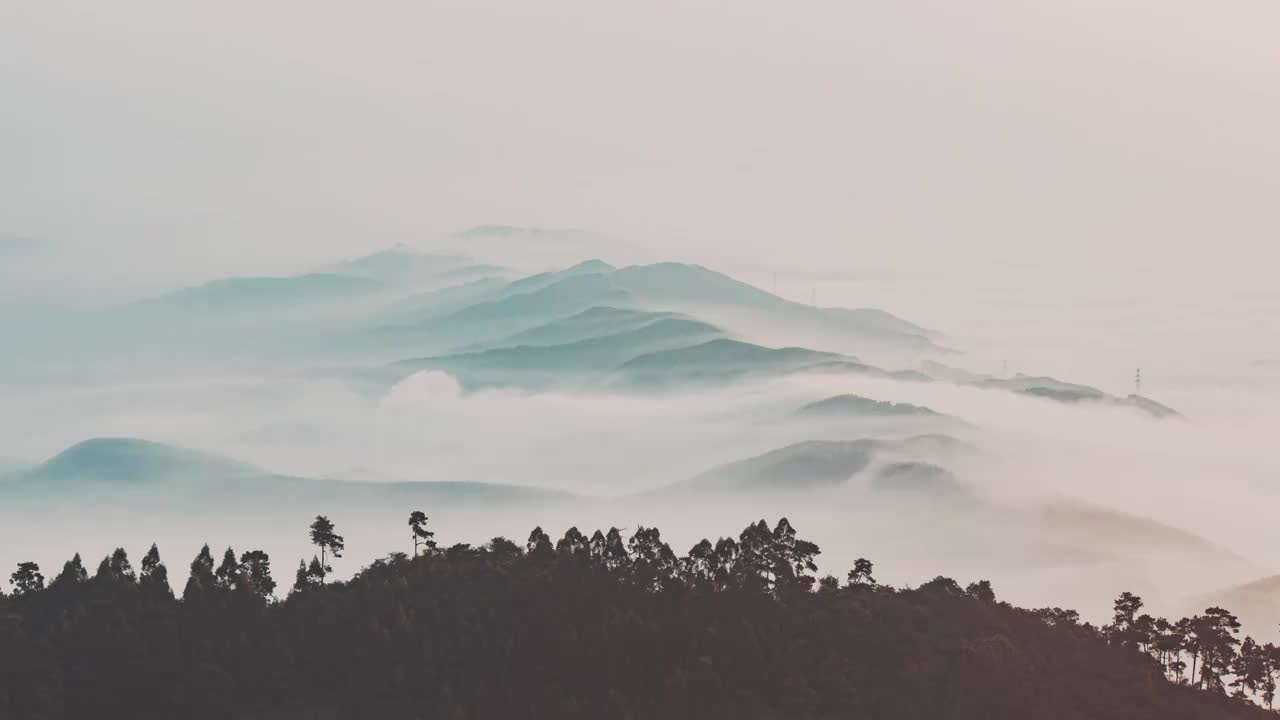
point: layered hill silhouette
(858, 406)
(404, 266)
(1049, 388)
(402, 308)
(809, 464)
(725, 360)
(819, 464)
(594, 322)
(539, 365)
(123, 470)
(664, 287)
(259, 293)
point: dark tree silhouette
(613, 554)
(73, 572)
(330, 542)
(574, 544)
(539, 544)
(309, 575)
(943, 585)
(1250, 668)
(728, 571)
(1214, 640)
(653, 565)
(301, 581)
(117, 567)
(755, 563)
(860, 575)
(255, 568)
(228, 572)
(504, 549)
(120, 566)
(201, 578)
(27, 579)
(981, 590)
(154, 576)
(421, 535)
(1123, 628)
(792, 559)
(698, 567)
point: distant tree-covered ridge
(593, 626)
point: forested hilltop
(593, 627)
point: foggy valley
(597, 396)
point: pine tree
(256, 570)
(26, 579)
(308, 576)
(301, 580)
(1215, 633)
(228, 571)
(421, 535)
(1122, 629)
(73, 572)
(201, 578)
(860, 575)
(155, 576)
(329, 542)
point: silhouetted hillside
(128, 470)
(815, 463)
(723, 360)
(590, 323)
(858, 406)
(259, 293)
(588, 627)
(405, 266)
(537, 366)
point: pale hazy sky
(826, 134)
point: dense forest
(593, 627)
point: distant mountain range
(120, 470)
(128, 470)
(664, 325)
(858, 406)
(810, 464)
(523, 304)
(265, 293)
(724, 360)
(817, 464)
(1048, 388)
(539, 365)
(402, 265)
(594, 322)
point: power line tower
(1137, 382)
